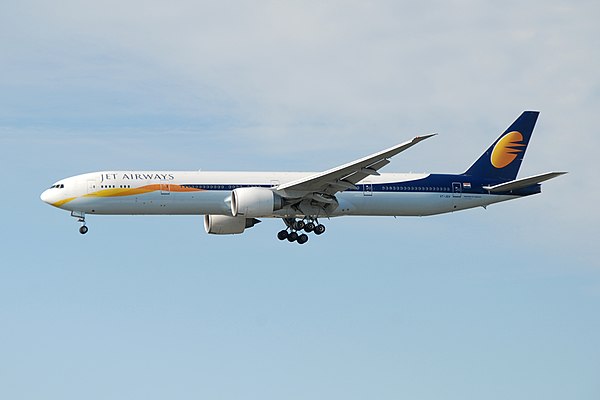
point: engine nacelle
(226, 225)
(254, 202)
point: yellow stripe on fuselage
(63, 201)
(117, 192)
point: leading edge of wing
(315, 182)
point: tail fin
(503, 159)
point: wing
(323, 186)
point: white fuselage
(234, 201)
(203, 193)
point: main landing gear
(81, 219)
(293, 233)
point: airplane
(232, 202)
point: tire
(303, 238)
(319, 229)
(292, 237)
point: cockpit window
(57, 186)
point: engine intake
(226, 225)
(254, 202)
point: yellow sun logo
(507, 149)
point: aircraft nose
(45, 196)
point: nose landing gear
(81, 219)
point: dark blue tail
(502, 160)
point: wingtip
(423, 137)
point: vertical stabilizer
(503, 159)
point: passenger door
(92, 186)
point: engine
(254, 202)
(226, 225)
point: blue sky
(490, 303)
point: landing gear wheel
(319, 229)
(292, 237)
(282, 235)
(302, 238)
(309, 227)
(299, 225)
(83, 230)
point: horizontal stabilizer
(523, 183)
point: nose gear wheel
(83, 229)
